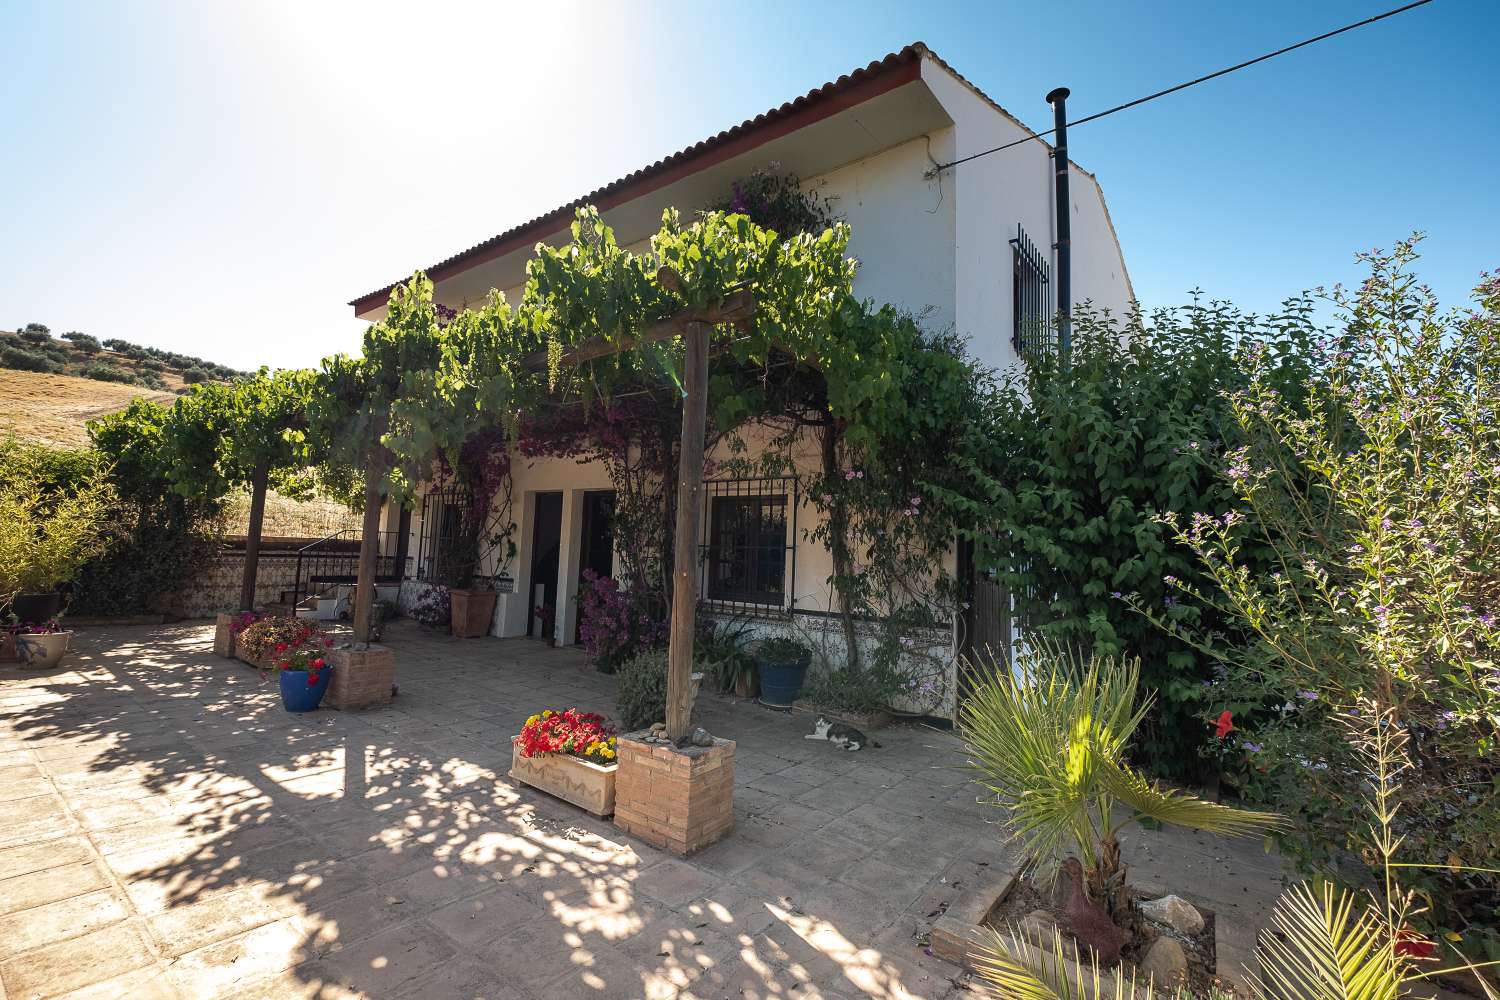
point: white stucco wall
(990, 195)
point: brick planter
(589, 786)
(224, 635)
(264, 663)
(362, 678)
(678, 800)
(8, 652)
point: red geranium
(1225, 725)
(1413, 945)
(579, 734)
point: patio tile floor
(167, 830)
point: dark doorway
(987, 626)
(546, 539)
(598, 552)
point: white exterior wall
(936, 246)
(994, 193)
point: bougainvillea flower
(1225, 725)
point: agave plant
(1329, 943)
(1047, 740)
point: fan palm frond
(1018, 965)
(1326, 945)
(1168, 805)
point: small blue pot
(781, 680)
(299, 696)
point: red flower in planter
(312, 678)
(1225, 724)
(281, 647)
(575, 733)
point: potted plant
(303, 672)
(782, 663)
(569, 754)
(46, 539)
(40, 647)
(260, 643)
(720, 654)
(545, 612)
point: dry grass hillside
(54, 409)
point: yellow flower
(547, 713)
(607, 752)
(533, 720)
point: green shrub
(103, 371)
(641, 698)
(195, 375)
(25, 360)
(1378, 499)
(783, 649)
(719, 652)
(36, 334)
(82, 342)
(1086, 454)
(851, 689)
(47, 533)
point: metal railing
(333, 560)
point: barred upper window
(1032, 327)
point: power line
(1190, 83)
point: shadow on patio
(170, 830)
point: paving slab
(167, 830)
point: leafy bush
(47, 534)
(720, 653)
(159, 537)
(25, 360)
(854, 689)
(36, 334)
(1084, 455)
(783, 649)
(641, 698)
(83, 342)
(103, 371)
(1378, 500)
(195, 375)
(616, 624)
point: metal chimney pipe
(1059, 101)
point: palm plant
(1329, 943)
(1047, 741)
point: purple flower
(1308, 695)
(1253, 747)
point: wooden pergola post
(685, 540)
(694, 326)
(369, 538)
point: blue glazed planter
(299, 696)
(781, 680)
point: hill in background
(33, 349)
(54, 409)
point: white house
(949, 243)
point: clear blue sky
(220, 178)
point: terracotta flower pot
(471, 612)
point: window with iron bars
(1033, 330)
(443, 516)
(748, 553)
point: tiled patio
(166, 830)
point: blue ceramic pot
(781, 679)
(299, 696)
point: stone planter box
(240, 653)
(8, 648)
(589, 786)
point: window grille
(749, 550)
(1033, 330)
(438, 549)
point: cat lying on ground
(840, 735)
